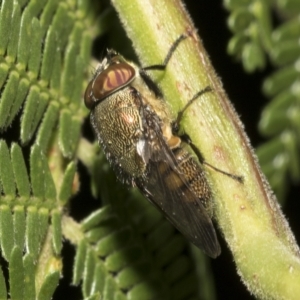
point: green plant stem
(264, 248)
(72, 230)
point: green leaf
(89, 269)
(119, 296)
(57, 234)
(239, 19)
(253, 57)
(286, 31)
(48, 269)
(66, 187)
(41, 179)
(167, 253)
(109, 289)
(100, 276)
(14, 39)
(97, 217)
(16, 274)
(274, 118)
(119, 259)
(145, 290)
(185, 288)
(25, 37)
(113, 242)
(97, 233)
(36, 47)
(35, 106)
(280, 80)
(79, 262)
(3, 75)
(8, 98)
(51, 50)
(22, 91)
(43, 224)
(132, 275)
(69, 132)
(49, 286)
(32, 236)
(37, 173)
(50, 189)
(289, 7)
(159, 235)
(29, 279)
(48, 126)
(6, 231)
(49, 10)
(94, 297)
(177, 269)
(63, 24)
(6, 171)
(19, 225)
(286, 52)
(20, 171)
(68, 74)
(5, 24)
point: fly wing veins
(166, 188)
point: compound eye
(89, 99)
(107, 82)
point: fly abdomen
(194, 176)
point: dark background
(244, 90)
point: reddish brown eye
(88, 96)
(107, 82)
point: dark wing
(166, 187)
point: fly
(133, 125)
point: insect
(140, 140)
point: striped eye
(107, 82)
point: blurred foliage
(267, 32)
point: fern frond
(251, 23)
(43, 56)
(42, 68)
(27, 205)
(115, 257)
(279, 119)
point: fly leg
(160, 67)
(185, 138)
